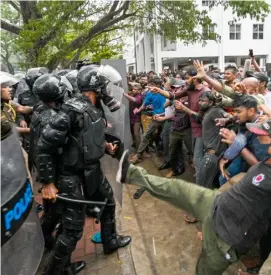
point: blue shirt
(157, 101)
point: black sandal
(139, 193)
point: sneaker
(123, 167)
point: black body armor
(86, 140)
(40, 118)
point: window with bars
(207, 3)
(235, 32)
(257, 31)
(209, 33)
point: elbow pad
(46, 168)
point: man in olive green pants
(216, 255)
(232, 221)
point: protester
(220, 213)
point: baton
(71, 200)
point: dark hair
(249, 74)
(192, 72)
(245, 101)
(209, 95)
(231, 68)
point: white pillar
(141, 57)
(147, 55)
(221, 57)
(175, 65)
(238, 61)
(157, 54)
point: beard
(191, 87)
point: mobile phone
(251, 53)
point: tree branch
(13, 4)
(52, 34)
(29, 10)
(101, 26)
(10, 28)
(114, 6)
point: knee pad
(65, 245)
(73, 218)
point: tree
(55, 32)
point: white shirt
(267, 98)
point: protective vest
(87, 134)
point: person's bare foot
(146, 155)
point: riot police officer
(79, 131)
(50, 91)
(25, 97)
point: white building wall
(227, 47)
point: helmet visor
(65, 83)
(111, 74)
(8, 79)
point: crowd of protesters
(198, 117)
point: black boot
(178, 172)
(74, 268)
(165, 165)
(110, 239)
(56, 265)
(116, 243)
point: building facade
(153, 52)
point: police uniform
(78, 129)
(26, 97)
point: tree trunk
(9, 65)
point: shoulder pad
(61, 121)
(22, 87)
(76, 104)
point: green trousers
(216, 255)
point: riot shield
(22, 240)
(118, 127)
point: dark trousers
(166, 139)
(97, 188)
(265, 245)
(208, 171)
(72, 218)
(177, 138)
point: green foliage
(58, 32)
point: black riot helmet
(33, 74)
(104, 80)
(50, 87)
